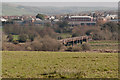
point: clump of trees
(111, 28)
(62, 27)
(40, 16)
(46, 44)
(28, 33)
(107, 31)
(45, 38)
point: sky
(91, 3)
(61, 4)
(59, 0)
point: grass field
(27, 64)
(15, 37)
(108, 44)
(65, 35)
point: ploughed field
(26, 64)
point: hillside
(8, 9)
(12, 9)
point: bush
(13, 47)
(98, 36)
(28, 48)
(85, 47)
(46, 44)
(23, 38)
(37, 46)
(31, 37)
(10, 37)
(15, 42)
(49, 44)
(74, 49)
(75, 35)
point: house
(51, 17)
(3, 20)
(111, 17)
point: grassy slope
(60, 64)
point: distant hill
(10, 9)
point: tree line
(41, 38)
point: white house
(3, 20)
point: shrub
(85, 47)
(49, 44)
(28, 48)
(15, 42)
(46, 44)
(98, 36)
(74, 48)
(10, 37)
(37, 46)
(23, 38)
(75, 35)
(31, 37)
(13, 47)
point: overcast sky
(59, 0)
(85, 3)
(63, 4)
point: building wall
(81, 20)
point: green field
(105, 44)
(26, 64)
(65, 35)
(15, 37)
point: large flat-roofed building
(81, 20)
